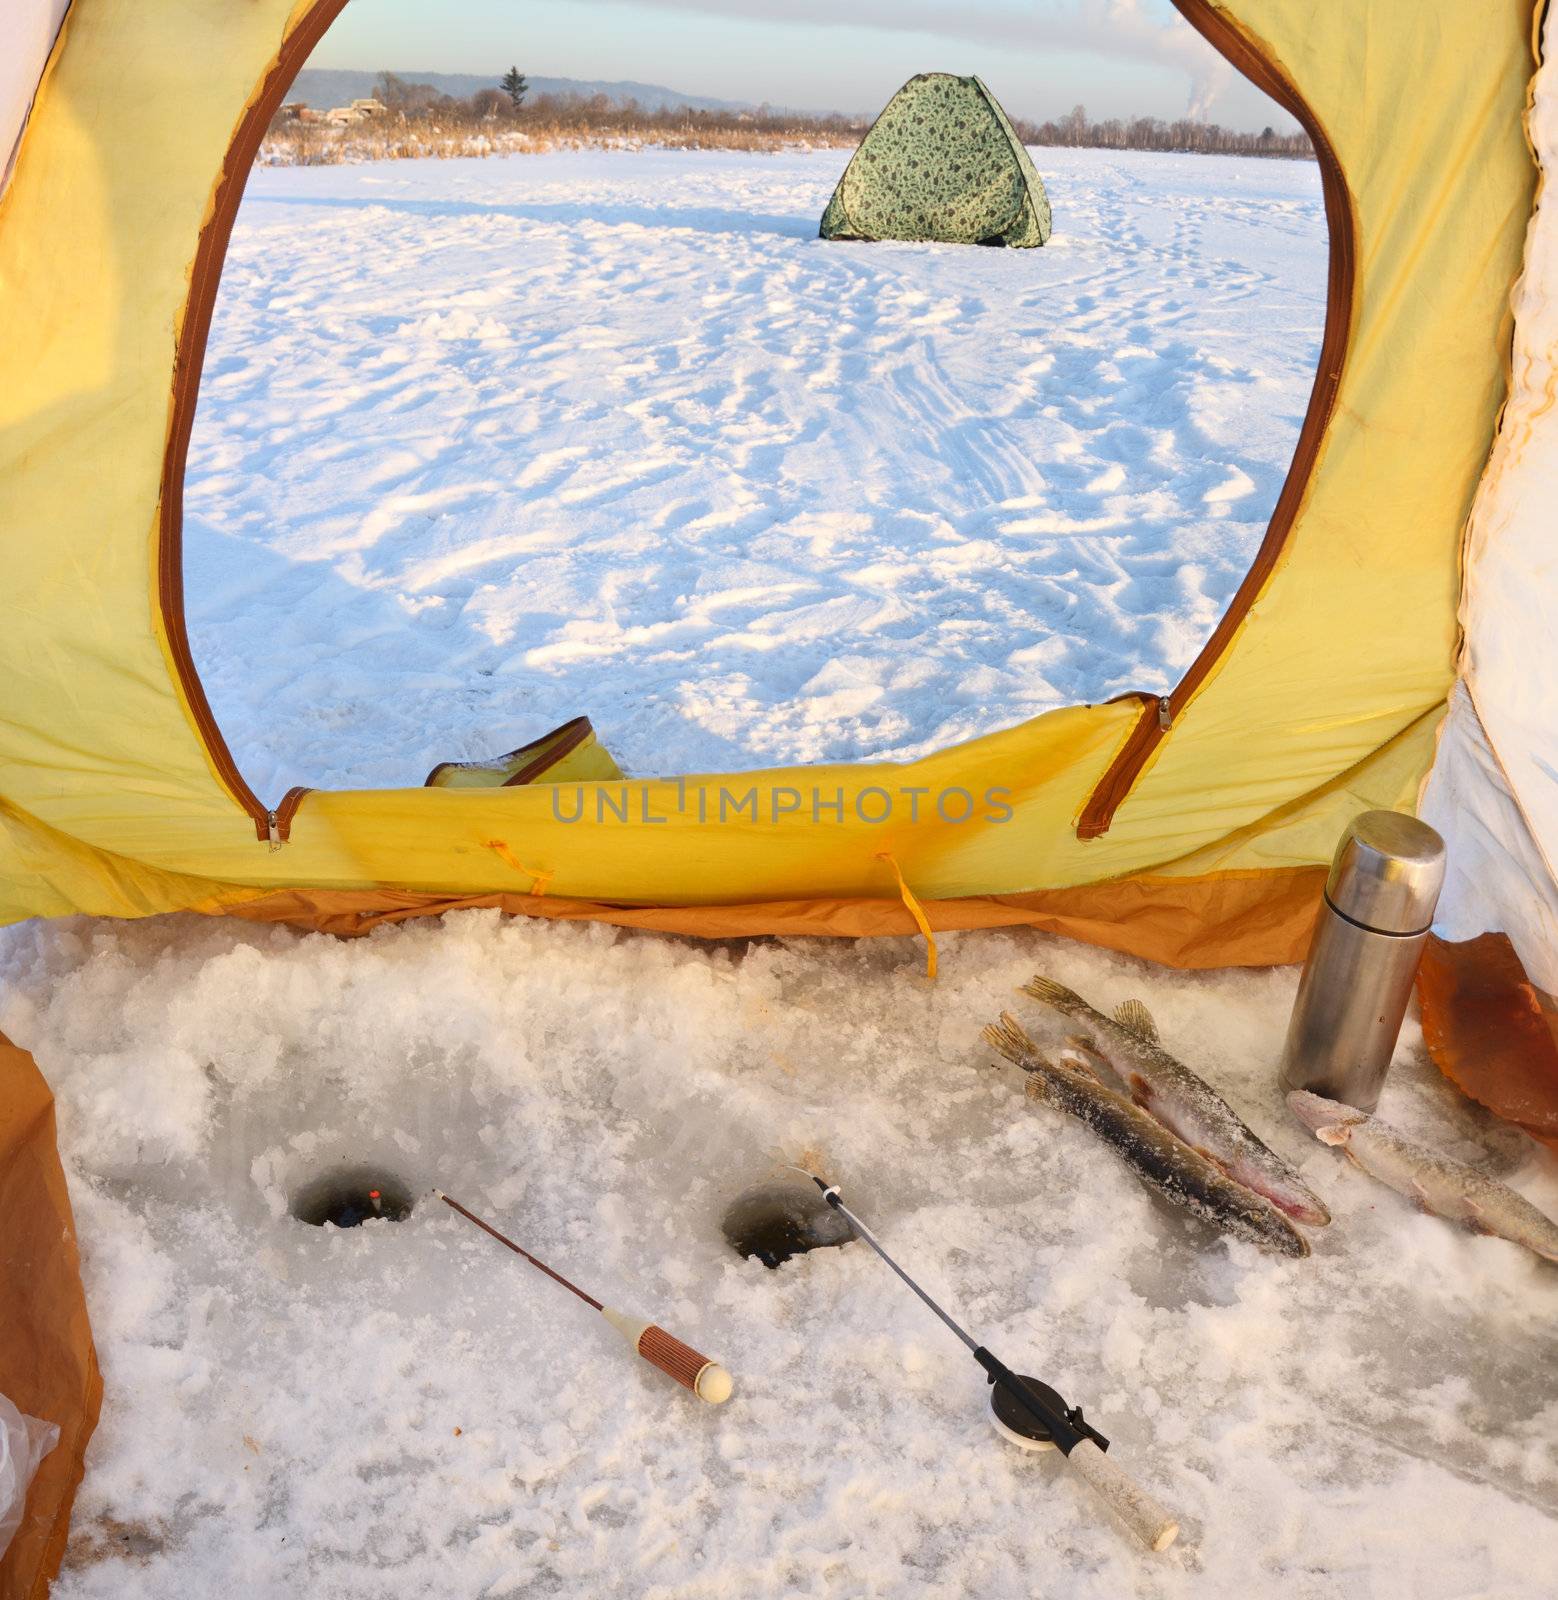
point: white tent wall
(1493, 792)
(1497, 878)
(28, 29)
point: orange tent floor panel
(1226, 919)
(1491, 1031)
(48, 1364)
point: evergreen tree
(514, 86)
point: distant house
(342, 116)
(292, 111)
(369, 107)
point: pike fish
(1447, 1188)
(1177, 1172)
(1128, 1044)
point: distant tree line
(514, 103)
(1151, 133)
(418, 119)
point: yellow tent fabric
(1318, 695)
(567, 754)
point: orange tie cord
(538, 880)
(916, 910)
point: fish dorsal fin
(1132, 1014)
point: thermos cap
(1387, 872)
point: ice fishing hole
(776, 1220)
(350, 1196)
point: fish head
(1330, 1121)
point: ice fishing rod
(707, 1379)
(1033, 1414)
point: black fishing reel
(1032, 1415)
(1019, 1424)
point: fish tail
(1009, 1038)
(1054, 994)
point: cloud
(1104, 27)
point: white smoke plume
(1174, 43)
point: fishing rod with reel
(1033, 1415)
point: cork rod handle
(707, 1379)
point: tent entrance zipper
(278, 823)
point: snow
(617, 434)
(402, 1410)
(485, 444)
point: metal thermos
(1374, 919)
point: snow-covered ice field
(486, 444)
(405, 1410)
(483, 445)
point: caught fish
(1170, 1166)
(1128, 1044)
(1447, 1188)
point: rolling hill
(323, 87)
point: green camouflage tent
(941, 162)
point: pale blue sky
(1041, 57)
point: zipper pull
(272, 832)
(1165, 713)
